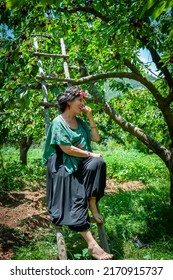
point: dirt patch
(113, 186)
(23, 212)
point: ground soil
(22, 212)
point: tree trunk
(171, 190)
(25, 144)
(171, 177)
(165, 154)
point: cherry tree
(103, 41)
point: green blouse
(60, 133)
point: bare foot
(98, 253)
(93, 208)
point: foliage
(144, 216)
(136, 215)
(42, 247)
(130, 165)
(14, 175)
(122, 164)
(103, 40)
(137, 106)
(155, 8)
(87, 37)
(27, 18)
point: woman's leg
(95, 250)
(94, 210)
(93, 171)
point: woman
(76, 177)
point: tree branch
(157, 60)
(133, 76)
(147, 140)
(169, 98)
(139, 77)
(155, 56)
(47, 104)
(163, 103)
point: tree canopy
(103, 40)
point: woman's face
(76, 105)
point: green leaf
(22, 95)
(154, 8)
(51, 2)
(17, 3)
(55, 90)
(169, 4)
(14, 3)
(171, 33)
(148, 6)
(157, 11)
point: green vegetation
(130, 164)
(102, 39)
(139, 223)
(14, 174)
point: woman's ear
(68, 104)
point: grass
(131, 164)
(145, 216)
(139, 224)
(19, 173)
(41, 247)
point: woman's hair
(68, 95)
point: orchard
(103, 40)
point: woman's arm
(94, 129)
(77, 152)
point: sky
(146, 58)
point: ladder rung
(37, 86)
(74, 67)
(47, 104)
(51, 55)
(56, 79)
(41, 35)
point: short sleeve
(57, 135)
(60, 134)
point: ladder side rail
(44, 88)
(65, 64)
(62, 253)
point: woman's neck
(70, 119)
(68, 116)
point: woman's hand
(95, 155)
(94, 130)
(87, 110)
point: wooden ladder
(62, 253)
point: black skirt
(67, 194)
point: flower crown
(80, 92)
